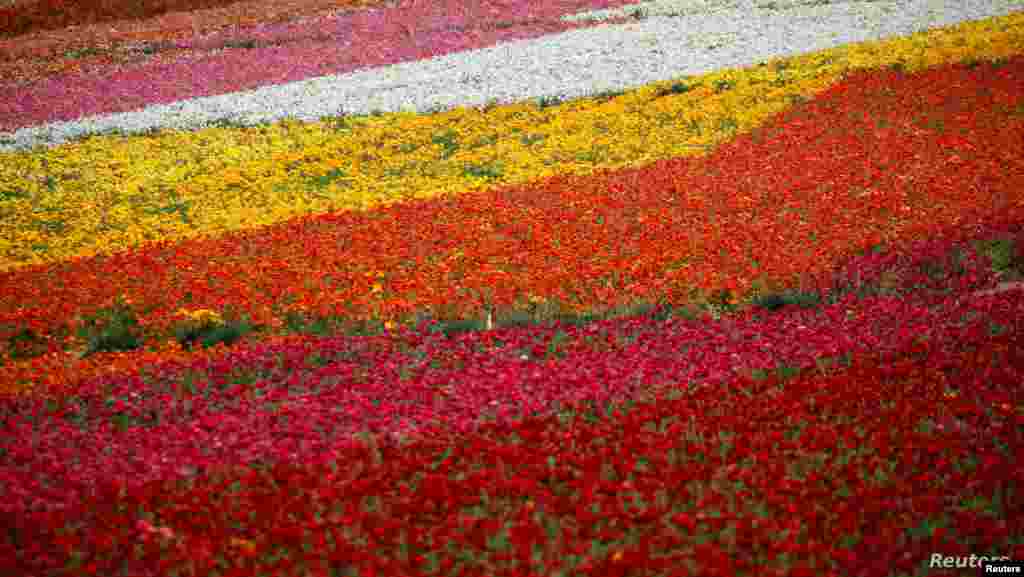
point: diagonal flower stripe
(107, 21)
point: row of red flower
(27, 16)
(864, 471)
(879, 157)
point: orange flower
(247, 546)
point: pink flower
(149, 529)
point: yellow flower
(207, 316)
(202, 316)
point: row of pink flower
(297, 401)
(288, 52)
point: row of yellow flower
(107, 193)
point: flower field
(763, 320)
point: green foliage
(209, 334)
(675, 88)
(549, 102)
(82, 52)
(454, 327)
(529, 139)
(227, 123)
(25, 344)
(1003, 254)
(339, 123)
(449, 141)
(606, 95)
(331, 176)
(244, 44)
(482, 170)
(775, 301)
(577, 319)
(370, 327)
(13, 193)
(111, 329)
(723, 85)
(516, 318)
